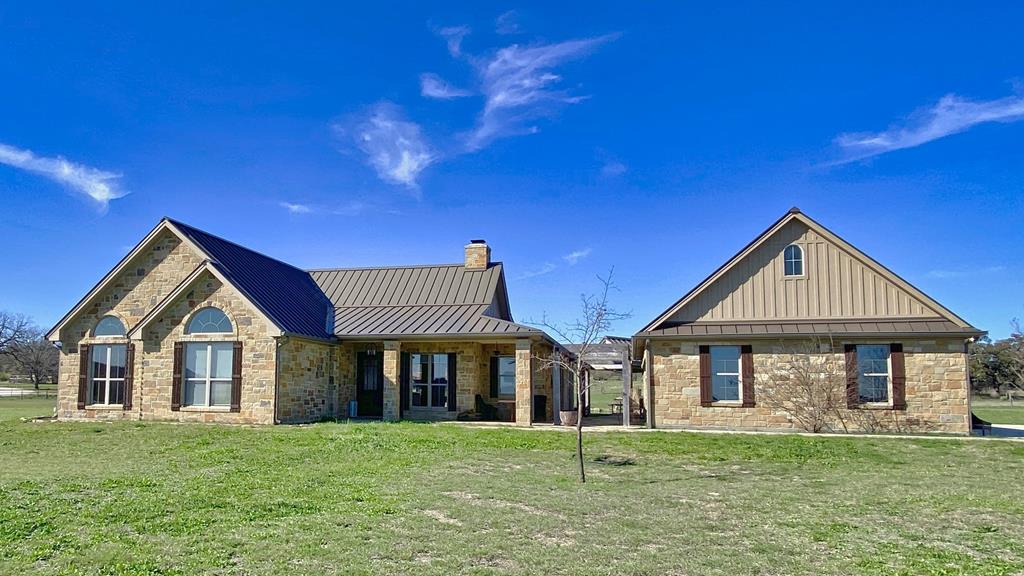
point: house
(800, 299)
(191, 327)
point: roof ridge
(399, 267)
(236, 244)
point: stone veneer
(936, 388)
(306, 389)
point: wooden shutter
(403, 377)
(83, 374)
(852, 389)
(747, 373)
(452, 383)
(495, 380)
(129, 377)
(899, 376)
(705, 375)
(236, 378)
(176, 378)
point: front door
(370, 384)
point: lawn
(998, 411)
(154, 498)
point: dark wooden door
(370, 384)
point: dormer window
(794, 260)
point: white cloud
(453, 35)
(507, 23)
(952, 114)
(394, 147)
(613, 168)
(943, 274)
(433, 86)
(546, 268)
(576, 255)
(519, 86)
(296, 208)
(99, 185)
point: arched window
(794, 257)
(109, 326)
(209, 321)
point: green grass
(603, 391)
(160, 498)
(998, 411)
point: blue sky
(658, 140)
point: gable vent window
(794, 259)
(209, 321)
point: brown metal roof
(444, 300)
(865, 328)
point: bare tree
(596, 319)
(35, 356)
(14, 329)
(807, 382)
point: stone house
(801, 318)
(192, 327)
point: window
(873, 372)
(107, 372)
(109, 326)
(725, 373)
(208, 368)
(794, 258)
(429, 380)
(507, 376)
(209, 321)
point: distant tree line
(997, 366)
(25, 351)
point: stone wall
(936, 389)
(469, 380)
(306, 386)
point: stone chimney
(478, 255)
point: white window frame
(106, 379)
(513, 393)
(208, 379)
(429, 382)
(738, 374)
(887, 374)
(801, 260)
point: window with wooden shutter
(83, 374)
(236, 378)
(452, 384)
(705, 375)
(899, 376)
(747, 380)
(852, 390)
(176, 378)
(129, 378)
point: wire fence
(7, 391)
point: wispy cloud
(576, 255)
(507, 23)
(453, 36)
(519, 86)
(946, 274)
(546, 268)
(99, 185)
(952, 114)
(433, 86)
(394, 147)
(296, 208)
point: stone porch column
(524, 383)
(392, 384)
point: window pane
(418, 365)
(440, 369)
(109, 326)
(96, 392)
(725, 360)
(419, 395)
(118, 362)
(99, 361)
(220, 393)
(725, 388)
(798, 268)
(209, 321)
(223, 354)
(874, 388)
(116, 392)
(507, 376)
(195, 393)
(438, 396)
(790, 268)
(195, 360)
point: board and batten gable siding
(835, 284)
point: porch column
(649, 383)
(392, 383)
(524, 383)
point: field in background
(156, 498)
(998, 411)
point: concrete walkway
(1007, 431)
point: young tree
(596, 319)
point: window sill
(727, 404)
(105, 407)
(205, 409)
(874, 406)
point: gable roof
(441, 300)
(946, 321)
